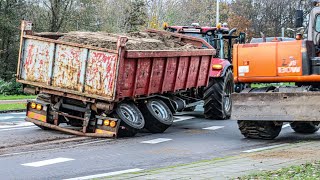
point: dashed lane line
(11, 117)
(54, 149)
(18, 128)
(47, 162)
(20, 124)
(213, 128)
(182, 118)
(106, 174)
(156, 141)
(14, 113)
(264, 148)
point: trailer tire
(157, 114)
(131, 119)
(305, 127)
(47, 99)
(259, 129)
(217, 97)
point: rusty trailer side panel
(110, 75)
(36, 61)
(77, 70)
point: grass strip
(310, 171)
(6, 107)
(16, 97)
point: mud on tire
(305, 127)
(259, 129)
(131, 119)
(157, 115)
(217, 97)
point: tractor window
(202, 36)
(318, 23)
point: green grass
(308, 171)
(5, 107)
(16, 97)
(259, 85)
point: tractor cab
(219, 37)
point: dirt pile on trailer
(136, 40)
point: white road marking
(47, 162)
(13, 129)
(156, 141)
(213, 128)
(6, 117)
(285, 126)
(53, 149)
(20, 124)
(106, 174)
(17, 113)
(11, 117)
(182, 118)
(264, 148)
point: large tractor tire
(157, 114)
(131, 119)
(305, 127)
(217, 97)
(259, 129)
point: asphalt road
(26, 152)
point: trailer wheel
(305, 127)
(131, 119)
(259, 129)
(217, 97)
(157, 114)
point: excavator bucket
(276, 106)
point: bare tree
(58, 11)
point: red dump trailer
(86, 90)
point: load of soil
(136, 40)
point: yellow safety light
(106, 122)
(39, 107)
(33, 105)
(165, 25)
(217, 67)
(219, 26)
(113, 124)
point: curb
(16, 101)
(13, 110)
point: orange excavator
(262, 111)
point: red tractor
(216, 96)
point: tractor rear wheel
(259, 129)
(131, 119)
(157, 114)
(217, 97)
(305, 127)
